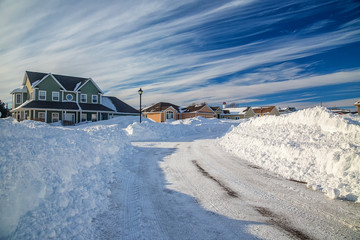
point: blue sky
(283, 53)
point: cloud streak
(183, 51)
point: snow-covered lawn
(119, 179)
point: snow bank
(189, 128)
(54, 180)
(312, 145)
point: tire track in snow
(228, 190)
(280, 222)
(273, 219)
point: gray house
(51, 97)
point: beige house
(218, 112)
(202, 110)
(357, 104)
(162, 112)
(238, 113)
(265, 111)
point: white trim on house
(169, 115)
(56, 81)
(49, 74)
(58, 96)
(40, 113)
(92, 98)
(82, 117)
(66, 97)
(42, 91)
(90, 79)
(20, 99)
(81, 98)
(54, 114)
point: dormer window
(83, 98)
(42, 95)
(94, 98)
(55, 96)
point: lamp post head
(140, 91)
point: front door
(70, 117)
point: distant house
(162, 112)
(266, 110)
(287, 110)
(357, 104)
(50, 98)
(238, 113)
(202, 110)
(340, 111)
(218, 112)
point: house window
(169, 115)
(93, 117)
(69, 97)
(83, 98)
(94, 98)
(41, 116)
(83, 117)
(237, 118)
(18, 98)
(42, 95)
(54, 117)
(55, 96)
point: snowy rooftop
(237, 111)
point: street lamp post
(140, 93)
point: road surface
(195, 190)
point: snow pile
(54, 180)
(189, 128)
(312, 145)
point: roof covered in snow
(117, 105)
(264, 109)
(237, 111)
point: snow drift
(189, 128)
(54, 180)
(313, 145)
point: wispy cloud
(182, 51)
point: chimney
(224, 105)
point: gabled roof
(69, 83)
(161, 106)
(117, 105)
(19, 90)
(265, 109)
(215, 108)
(195, 108)
(237, 111)
(357, 103)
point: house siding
(89, 89)
(28, 88)
(72, 94)
(155, 116)
(49, 85)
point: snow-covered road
(196, 190)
